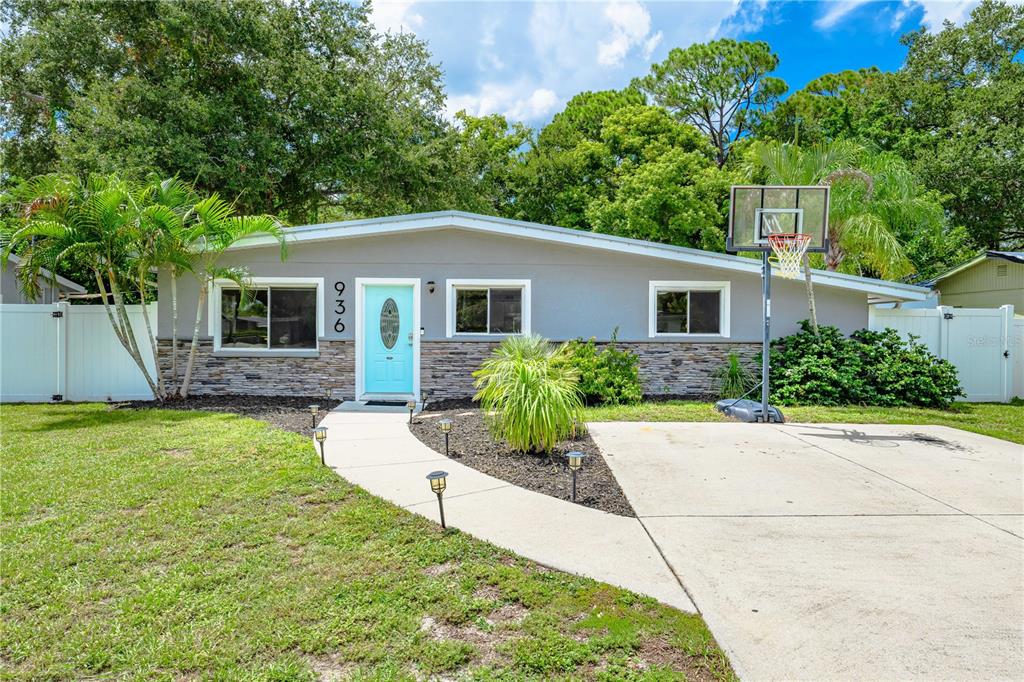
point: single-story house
(52, 287)
(406, 306)
(993, 279)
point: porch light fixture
(575, 464)
(412, 408)
(446, 428)
(320, 433)
(314, 410)
(438, 482)
(431, 285)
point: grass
(159, 544)
(1004, 421)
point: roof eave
(549, 233)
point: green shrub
(732, 379)
(610, 376)
(530, 393)
(868, 368)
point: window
(689, 308)
(488, 307)
(273, 314)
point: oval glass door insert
(389, 323)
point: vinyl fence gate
(984, 344)
(69, 352)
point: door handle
(391, 357)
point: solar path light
(575, 464)
(446, 428)
(412, 408)
(314, 410)
(320, 433)
(438, 482)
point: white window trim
(452, 285)
(662, 285)
(213, 310)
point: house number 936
(339, 308)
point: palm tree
(874, 198)
(92, 223)
(164, 235)
(213, 228)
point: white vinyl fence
(69, 352)
(984, 344)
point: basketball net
(789, 253)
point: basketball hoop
(789, 253)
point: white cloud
(651, 44)
(936, 12)
(746, 16)
(395, 16)
(837, 11)
(576, 46)
(488, 57)
(630, 23)
(506, 99)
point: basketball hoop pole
(766, 296)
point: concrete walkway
(376, 451)
(838, 552)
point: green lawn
(164, 544)
(990, 419)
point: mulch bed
(471, 444)
(288, 413)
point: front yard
(989, 419)
(173, 544)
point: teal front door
(388, 338)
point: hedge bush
(610, 376)
(868, 368)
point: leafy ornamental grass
(167, 544)
(989, 419)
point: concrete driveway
(828, 551)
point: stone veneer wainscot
(666, 368)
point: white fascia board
(548, 233)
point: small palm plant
(733, 379)
(530, 393)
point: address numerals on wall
(339, 308)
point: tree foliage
(953, 111)
(719, 87)
(285, 105)
(611, 163)
(882, 221)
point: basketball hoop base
(748, 411)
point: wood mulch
(288, 413)
(470, 443)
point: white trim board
(360, 311)
(724, 300)
(449, 307)
(548, 233)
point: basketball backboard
(756, 211)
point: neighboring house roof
(877, 289)
(1012, 256)
(51, 277)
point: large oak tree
(287, 105)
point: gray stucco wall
(10, 292)
(576, 292)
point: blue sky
(526, 58)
